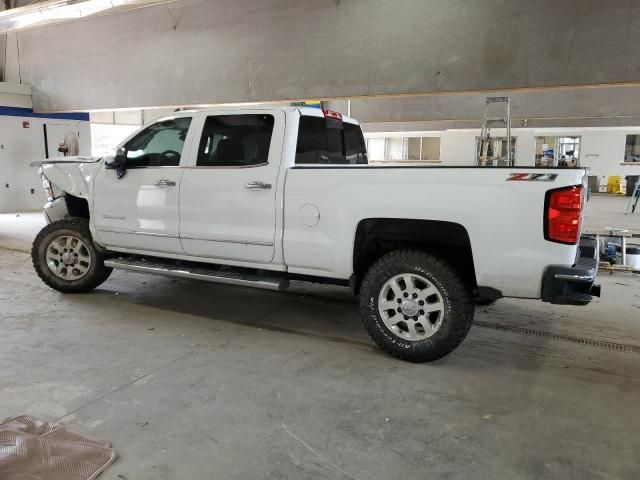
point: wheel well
(376, 237)
(77, 207)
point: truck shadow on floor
(331, 314)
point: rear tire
(66, 259)
(415, 306)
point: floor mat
(31, 449)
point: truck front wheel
(415, 306)
(66, 259)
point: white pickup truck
(259, 196)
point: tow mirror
(119, 160)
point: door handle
(165, 183)
(257, 186)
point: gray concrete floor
(192, 381)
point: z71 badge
(532, 177)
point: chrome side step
(208, 274)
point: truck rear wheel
(415, 306)
(66, 259)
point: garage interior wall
(238, 51)
(22, 141)
(602, 149)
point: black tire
(96, 272)
(455, 296)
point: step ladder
(633, 201)
(489, 121)
(196, 271)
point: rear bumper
(573, 285)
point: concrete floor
(192, 380)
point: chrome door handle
(257, 186)
(165, 183)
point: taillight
(332, 114)
(563, 214)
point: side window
(235, 140)
(159, 145)
(329, 142)
(312, 141)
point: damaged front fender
(72, 175)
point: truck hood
(70, 175)
(55, 160)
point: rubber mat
(34, 450)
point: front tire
(66, 259)
(415, 306)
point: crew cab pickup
(260, 196)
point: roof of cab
(307, 111)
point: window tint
(355, 148)
(159, 144)
(329, 141)
(235, 140)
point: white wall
(19, 147)
(601, 150)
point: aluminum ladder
(488, 121)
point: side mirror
(119, 160)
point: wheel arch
(376, 237)
(77, 207)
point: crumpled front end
(64, 179)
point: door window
(235, 140)
(159, 145)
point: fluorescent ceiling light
(56, 11)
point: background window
(159, 145)
(413, 148)
(330, 142)
(394, 151)
(235, 140)
(431, 148)
(403, 149)
(632, 149)
(558, 151)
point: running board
(208, 274)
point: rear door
(139, 211)
(228, 193)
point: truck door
(139, 211)
(228, 195)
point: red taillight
(563, 215)
(332, 114)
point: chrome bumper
(573, 285)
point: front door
(228, 195)
(139, 211)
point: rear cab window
(329, 141)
